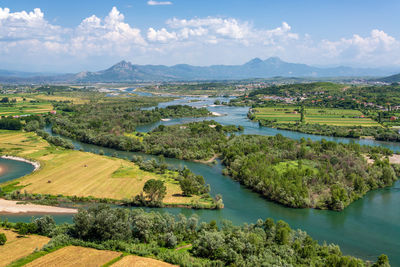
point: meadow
(75, 256)
(327, 116)
(136, 261)
(81, 256)
(75, 173)
(18, 246)
(26, 107)
(37, 103)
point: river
(368, 227)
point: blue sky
(70, 36)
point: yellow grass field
(328, 116)
(81, 99)
(136, 261)
(17, 247)
(75, 256)
(76, 173)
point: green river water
(367, 228)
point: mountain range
(256, 68)
(390, 79)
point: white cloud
(111, 29)
(159, 3)
(162, 35)
(377, 47)
(30, 32)
(282, 33)
(28, 38)
(226, 28)
(22, 25)
(219, 29)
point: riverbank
(15, 207)
(377, 210)
(208, 161)
(85, 176)
(35, 164)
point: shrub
(3, 239)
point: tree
(383, 260)
(45, 225)
(155, 190)
(302, 114)
(3, 239)
(188, 187)
(282, 233)
(32, 126)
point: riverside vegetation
(113, 125)
(300, 174)
(185, 241)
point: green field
(27, 104)
(25, 108)
(75, 173)
(328, 116)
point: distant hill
(390, 79)
(256, 68)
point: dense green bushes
(55, 140)
(197, 140)
(9, 123)
(264, 243)
(192, 141)
(118, 117)
(325, 175)
(3, 239)
(109, 124)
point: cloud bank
(159, 3)
(28, 38)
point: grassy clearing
(136, 261)
(75, 98)
(75, 256)
(83, 174)
(28, 104)
(136, 135)
(17, 247)
(328, 116)
(284, 166)
(24, 108)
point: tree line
(264, 243)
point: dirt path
(395, 159)
(207, 161)
(10, 206)
(185, 246)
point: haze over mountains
(256, 68)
